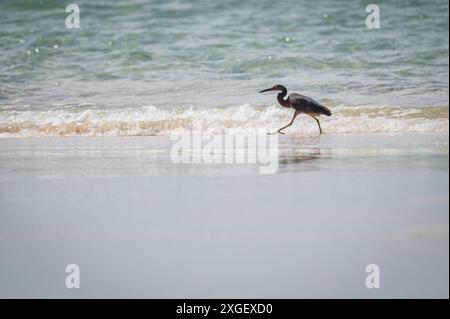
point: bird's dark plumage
(301, 104)
(307, 105)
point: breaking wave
(152, 120)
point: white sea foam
(152, 120)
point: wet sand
(139, 225)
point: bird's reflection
(296, 156)
(302, 159)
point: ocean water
(152, 67)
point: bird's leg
(318, 123)
(292, 121)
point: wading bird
(301, 104)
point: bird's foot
(275, 133)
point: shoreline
(240, 119)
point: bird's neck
(281, 100)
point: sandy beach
(139, 225)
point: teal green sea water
(182, 54)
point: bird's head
(278, 87)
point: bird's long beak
(271, 89)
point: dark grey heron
(301, 104)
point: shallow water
(89, 120)
(53, 157)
